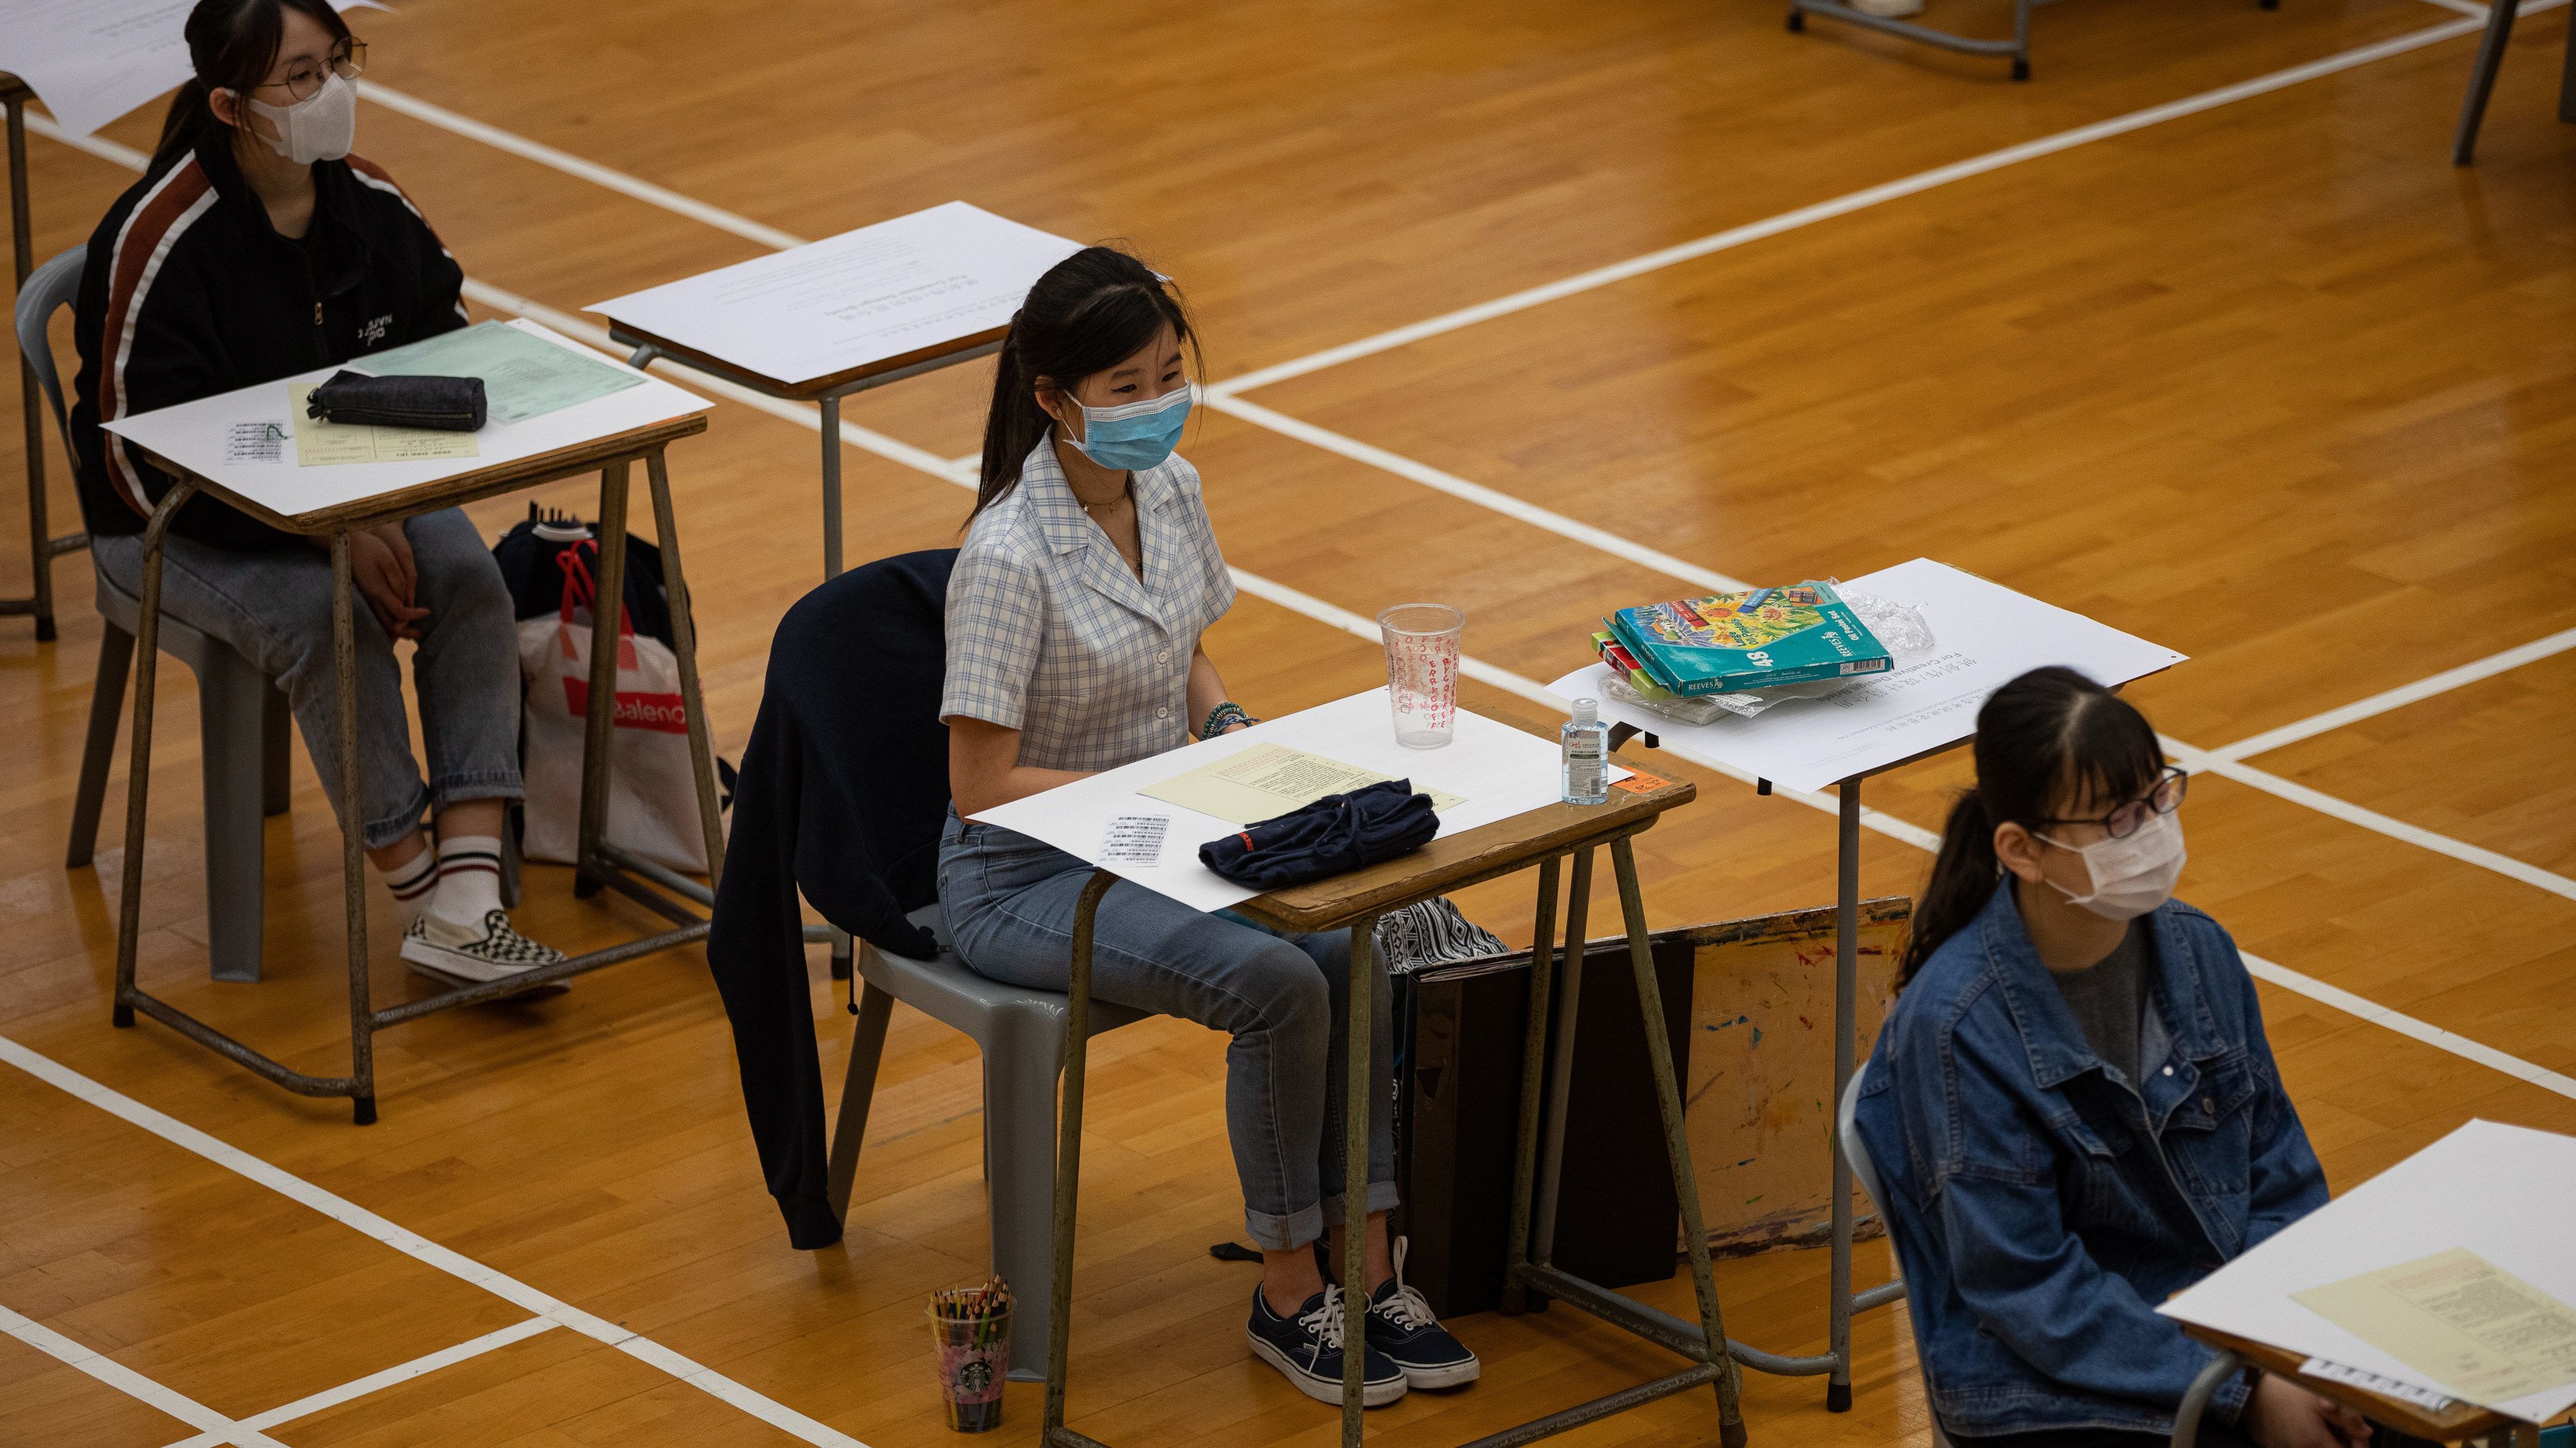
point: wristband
(1223, 716)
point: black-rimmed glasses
(2163, 798)
(305, 77)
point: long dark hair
(231, 44)
(1086, 315)
(2047, 737)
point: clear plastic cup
(1422, 671)
(972, 1356)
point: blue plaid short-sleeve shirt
(1051, 634)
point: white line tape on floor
(2398, 698)
(217, 1428)
(411, 1244)
(421, 1366)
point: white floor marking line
(572, 165)
(218, 1428)
(2398, 698)
(2464, 7)
(1484, 497)
(421, 1366)
(2408, 1026)
(2200, 761)
(1845, 205)
(411, 1244)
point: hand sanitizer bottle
(1586, 741)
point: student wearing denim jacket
(2072, 1107)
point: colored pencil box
(445, 404)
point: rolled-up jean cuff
(483, 784)
(1287, 1234)
(398, 826)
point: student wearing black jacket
(256, 247)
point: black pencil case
(448, 404)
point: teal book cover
(1757, 639)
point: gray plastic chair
(1847, 1131)
(1021, 1033)
(241, 714)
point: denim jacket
(2041, 1205)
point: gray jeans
(275, 610)
(1010, 905)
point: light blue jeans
(1010, 904)
(274, 608)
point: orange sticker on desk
(1639, 782)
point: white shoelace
(1408, 1309)
(1324, 1323)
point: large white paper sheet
(2500, 1191)
(1985, 635)
(92, 61)
(196, 435)
(1498, 770)
(881, 291)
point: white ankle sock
(412, 885)
(469, 880)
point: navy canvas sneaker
(1401, 1326)
(1308, 1349)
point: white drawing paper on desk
(1985, 635)
(881, 291)
(1495, 770)
(2498, 1191)
(92, 61)
(1271, 780)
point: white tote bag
(652, 792)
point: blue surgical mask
(1136, 434)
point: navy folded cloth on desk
(1333, 836)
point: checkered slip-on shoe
(496, 952)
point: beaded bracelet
(1223, 716)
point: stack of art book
(1732, 643)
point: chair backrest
(55, 284)
(1847, 1131)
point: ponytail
(2046, 738)
(1090, 312)
(231, 45)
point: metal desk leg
(1068, 1157)
(831, 487)
(138, 760)
(1360, 1087)
(1560, 1075)
(606, 607)
(353, 858)
(1533, 1062)
(1668, 1095)
(1846, 1007)
(684, 637)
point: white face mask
(319, 127)
(2131, 876)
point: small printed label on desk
(2425, 1398)
(1134, 839)
(1640, 782)
(255, 442)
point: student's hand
(380, 564)
(2281, 1414)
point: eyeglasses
(306, 76)
(2164, 798)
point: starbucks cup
(973, 1354)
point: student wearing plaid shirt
(1088, 574)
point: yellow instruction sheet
(2460, 1320)
(318, 443)
(1267, 781)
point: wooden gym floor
(2260, 377)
